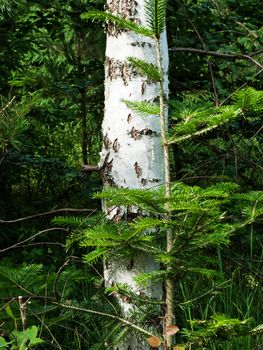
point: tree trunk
(132, 154)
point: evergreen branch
(12, 280)
(191, 124)
(118, 21)
(143, 107)
(155, 11)
(147, 69)
(92, 257)
(257, 330)
(107, 315)
(189, 136)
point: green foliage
(12, 124)
(118, 21)
(143, 107)
(200, 121)
(219, 327)
(197, 221)
(147, 69)
(155, 15)
(21, 340)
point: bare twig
(48, 329)
(47, 213)
(216, 99)
(7, 105)
(90, 168)
(228, 56)
(104, 314)
(32, 237)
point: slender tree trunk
(132, 154)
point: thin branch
(7, 105)
(104, 314)
(209, 63)
(48, 329)
(41, 243)
(228, 56)
(240, 87)
(34, 236)
(90, 168)
(47, 213)
(189, 136)
(213, 82)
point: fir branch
(118, 21)
(147, 69)
(155, 15)
(190, 127)
(143, 107)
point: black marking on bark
(137, 134)
(142, 44)
(129, 118)
(115, 69)
(116, 146)
(138, 169)
(107, 142)
(143, 88)
(129, 348)
(130, 265)
(116, 218)
(144, 181)
(149, 132)
(122, 8)
(107, 264)
(105, 171)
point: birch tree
(132, 155)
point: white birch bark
(132, 154)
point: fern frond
(118, 21)
(155, 15)
(147, 69)
(142, 107)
